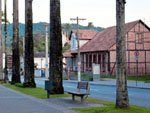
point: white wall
(41, 62)
(73, 42)
(82, 42)
(64, 39)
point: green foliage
(39, 42)
(134, 78)
(85, 76)
(140, 78)
(2, 82)
(90, 25)
(35, 92)
(66, 47)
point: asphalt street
(137, 96)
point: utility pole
(46, 51)
(79, 62)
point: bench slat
(83, 85)
(78, 93)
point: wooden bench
(80, 86)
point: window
(139, 38)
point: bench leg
(82, 98)
(73, 97)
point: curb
(107, 84)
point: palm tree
(5, 29)
(122, 100)
(1, 50)
(90, 25)
(16, 56)
(29, 56)
(67, 29)
(55, 48)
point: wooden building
(101, 49)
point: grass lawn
(35, 92)
(2, 82)
(110, 108)
(139, 78)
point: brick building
(101, 49)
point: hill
(37, 27)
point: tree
(55, 48)
(5, 30)
(90, 25)
(122, 100)
(29, 56)
(67, 29)
(15, 48)
(1, 49)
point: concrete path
(15, 102)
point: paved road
(140, 97)
(137, 96)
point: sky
(101, 13)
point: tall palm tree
(29, 56)
(122, 100)
(90, 25)
(67, 29)
(15, 48)
(55, 48)
(5, 29)
(1, 50)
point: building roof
(67, 53)
(84, 34)
(104, 40)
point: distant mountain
(74, 26)
(38, 27)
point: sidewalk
(112, 82)
(15, 102)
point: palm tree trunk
(29, 56)
(55, 48)
(15, 57)
(1, 50)
(5, 29)
(122, 100)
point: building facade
(101, 49)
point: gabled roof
(84, 34)
(104, 40)
(67, 53)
